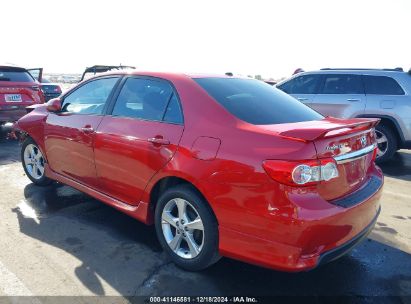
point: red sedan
(222, 166)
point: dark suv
(348, 93)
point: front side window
(343, 84)
(256, 102)
(146, 99)
(90, 98)
(304, 84)
(382, 85)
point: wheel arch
(390, 122)
(166, 182)
(23, 136)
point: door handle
(302, 99)
(87, 129)
(353, 99)
(158, 140)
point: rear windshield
(256, 102)
(15, 76)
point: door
(138, 139)
(37, 74)
(69, 134)
(303, 87)
(341, 95)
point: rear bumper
(339, 251)
(12, 115)
(317, 233)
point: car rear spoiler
(330, 127)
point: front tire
(387, 143)
(33, 163)
(186, 228)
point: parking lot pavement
(58, 241)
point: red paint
(261, 220)
(125, 158)
(205, 148)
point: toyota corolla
(222, 166)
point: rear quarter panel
(398, 108)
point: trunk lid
(350, 142)
(353, 153)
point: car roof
(356, 71)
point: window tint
(304, 84)
(343, 84)
(90, 98)
(256, 102)
(15, 76)
(382, 85)
(143, 99)
(173, 113)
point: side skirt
(139, 212)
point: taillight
(301, 173)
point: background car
(270, 82)
(349, 93)
(221, 165)
(50, 90)
(18, 89)
(98, 69)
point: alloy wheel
(182, 228)
(34, 161)
(382, 143)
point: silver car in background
(350, 93)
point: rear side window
(173, 112)
(15, 76)
(304, 84)
(343, 84)
(382, 85)
(256, 102)
(148, 99)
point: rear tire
(33, 163)
(186, 228)
(387, 143)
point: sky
(268, 38)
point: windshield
(256, 102)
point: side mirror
(54, 105)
